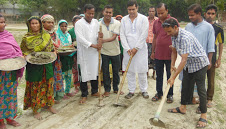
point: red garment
(150, 30)
(163, 41)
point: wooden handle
(123, 78)
(163, 99)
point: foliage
(68, 8)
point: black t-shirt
(219, 38)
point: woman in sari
(67, 61)
(48, 25)
(8, 79)
(39, 78)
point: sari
(39, 78)
(58, 77)
(9, 79)
(67, 61)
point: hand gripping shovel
(101, 102)
(156, 121)
(116, 104)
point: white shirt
(133, 35)
(87, 57)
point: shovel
(116, 104)
(156, 121)
(101, 102)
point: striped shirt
(185, 43)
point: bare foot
(38, 116)
(65, 97)
(13, 123)
(51, 109)
(2, 125)
(83, 100)
(70, 94)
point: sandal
(106, 94)
(129, 96)
(121, 93)
(169, 99)
(202, 120)
(177, 109)
(13, 123)
(209, 105)
(198, 111)
(83, 100)
(156, 97)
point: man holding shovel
(88, 46)
(133, 33)
(194, 64)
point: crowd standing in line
(151, 42)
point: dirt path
(71, 115)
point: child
(67, 61)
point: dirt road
(71, 115)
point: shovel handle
(123, 78)
(157, 114)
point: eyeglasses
(211, 13)
(165, 24)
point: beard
(209, 20)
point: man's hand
(100, 35)
(134, 51)
(99, 46)
(209, 66)
(170, 81)
(152, 55)
(218, 63)
(129, 52)
(173, 69)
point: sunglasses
(166, 24)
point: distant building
(9, 9)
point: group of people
(151, 42)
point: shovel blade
(158, 123)
(119, 105)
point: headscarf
(10, 49)
(64, 38)
(36, 42)
(56, 40)
(48, 17)
(82, 15)
(118, 16)
(75, 18)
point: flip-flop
(177, 109)
(13, 123)
(121, 93)
(209, 105)
(202, 120)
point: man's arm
(218, 62)
(211, 45)
(179, 69)
(110, 39)
(153, 48)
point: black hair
(170, 22)
(162, 4)
(89, 7)
(211, 6)
(108, 7)
(1, 15)
(131, 3)
(75, 18)
(152, 7)
(196, 7)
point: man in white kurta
(133, 33)
(86, 31)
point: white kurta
(87, 57)
(134, 35)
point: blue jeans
(160, 73)
(115, 61)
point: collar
(112, 21)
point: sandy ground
(71, 115)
